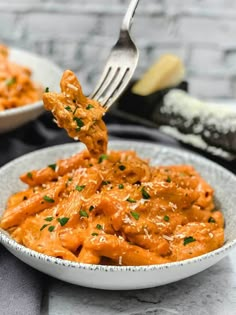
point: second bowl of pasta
(24, 77)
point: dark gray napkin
(21, 287)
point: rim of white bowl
(5, 238)
(39, 103)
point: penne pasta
(111, 207)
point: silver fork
(120, 65)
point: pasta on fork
(111, 207)
(79, 115)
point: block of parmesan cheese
(168, 71)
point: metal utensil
(120, 65)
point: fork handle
(128, 18)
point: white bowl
(113, 277)
(45, 73)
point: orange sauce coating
(115, 209)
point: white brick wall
(78, 34)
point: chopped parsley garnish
(130, 200)
(52, 166)
(166, 218)
(63, 221)
(49, 219)
(135, 215)
(70, 179)
(10, 81)
(106, 182)
(145, 194)
(83, 213)
(211, 220)
(89, 106)
(79, 188)
(94, 234)
(30, 175)
(99, 227)
(91, 208)
(48, 199)
(102, 157)
(168, 179)
(43, 227)
(121, 186)
(188, 240)
(46, 89)
(68, 108)
(51, 228)
(76, 107)
(122, 167)
(79, 123)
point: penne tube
(36, 203)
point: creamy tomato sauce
(114, 208)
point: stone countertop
(212, 292)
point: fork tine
(102, 79)
(106, 82)
(114, 85)
(119, 91)
(121, 64)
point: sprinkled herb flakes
(52, 166)
(135, 215)
(48, 199)
(68, 108)
(102, 157)
(83, 213)
(43, 227)
(63, 221)
(30, 175)
(145, 194)
(51, 228)
(130, 200)
(89, 106)
(99, 227)
(79, 123)
(80, 188)
(188, 240)
(10, 81)
(49, 219)
(91, 208)
(106, 182)
(211, 220)
(166, 218)
(122, 167)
